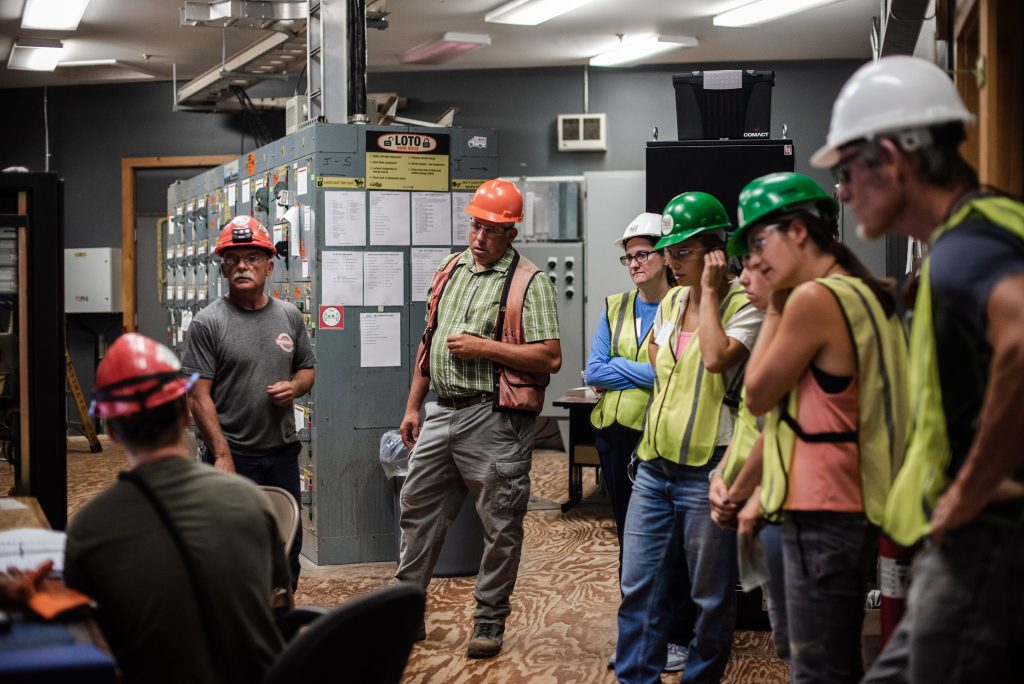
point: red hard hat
(137, 374)
(244, 231)
(497, 201)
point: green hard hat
(689, 214)
(774, 194)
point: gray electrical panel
(362, 216)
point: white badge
(664, 334)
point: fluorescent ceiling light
(531, 12)
(88, 63)
(35, 54)
(444, 48)
(763, 11)
(641, 48)
(56, 15)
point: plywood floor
(562, 626)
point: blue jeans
(615, 445)
(669, 523)
(278, 468)
(775, 589)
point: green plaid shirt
(469, 304)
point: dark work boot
(486, 642)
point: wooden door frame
(129, 165)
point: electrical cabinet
(92, 280)
(361, 216)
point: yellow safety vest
(681, 424)
(923, 479)
(744, 433)
(883, 405)
(625, 407)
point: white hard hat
(644, 225)
(892, 94)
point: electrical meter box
(92, 280)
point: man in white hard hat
(893, 148)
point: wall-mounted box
(92, 280)
(582, 133)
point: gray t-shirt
(244, 352)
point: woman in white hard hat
(619, 367)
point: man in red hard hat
(253, 356)
(490, 344)
(181, 559)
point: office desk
(51, 658)
(581, 449)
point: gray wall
(523, 104)
(93, 127)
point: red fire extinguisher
(894, 582)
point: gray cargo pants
(487, 454)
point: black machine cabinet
(717, 167)
(32, 370)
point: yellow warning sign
(467, 183)
(340, 182)
(395, 171)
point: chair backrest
(286, 512)
(366, 640)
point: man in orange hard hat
(254, 357)
(181, 559)
(490, 344)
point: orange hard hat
(497, 201)
(137, 374)
(244, 231)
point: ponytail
(822, 232)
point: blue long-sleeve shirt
(616, 372)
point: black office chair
(366, 640)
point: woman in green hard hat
(702, 333)
(619, 366)
(829, 370)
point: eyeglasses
(249, 259)
(680, 253)
(757, 245)
(841, 170)
(489, 231)
(640, 257)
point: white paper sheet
(345, 218)
(342, 279)
(302, 181)
(307, 218)
(425, 261)
(380, 339)
(431, 218)
(245, 190)
(26, 547)
(389, 218)
(294, 233)
(460, 219)
(383, 278)
(231, 196)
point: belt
(467, 401)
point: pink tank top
(684, 339)
(825, 476)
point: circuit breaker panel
(361, 217)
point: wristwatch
(712, 473)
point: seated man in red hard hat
(490, 344)
(181, 559)
(254, 357)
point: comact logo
(756, 134)
(407, 142)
